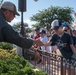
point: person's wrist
(34, 42)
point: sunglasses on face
(65, 30)
(12, 13)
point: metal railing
(55, 64)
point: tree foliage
(1, 1)
(54, 12)
(17, 27)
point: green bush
(28, 71)
(40, 73)
(4, 45)
(5, 54)
(12, 64)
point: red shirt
(36, 38)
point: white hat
(56, 24)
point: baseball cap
(56, 24)
(64, 24)
(37, 29)
(43, 31)
(10, 6)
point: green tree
(17, 27)
(1, 2)
(46, 16)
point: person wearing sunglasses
(63, 41)
(67, 28)
(7, 33)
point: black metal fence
(55, 64)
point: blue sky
(34, 7)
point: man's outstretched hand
(38, 43)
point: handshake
(38, 43)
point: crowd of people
(63, 39)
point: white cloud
(15, 21)
(28, 21)
(6, 0)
